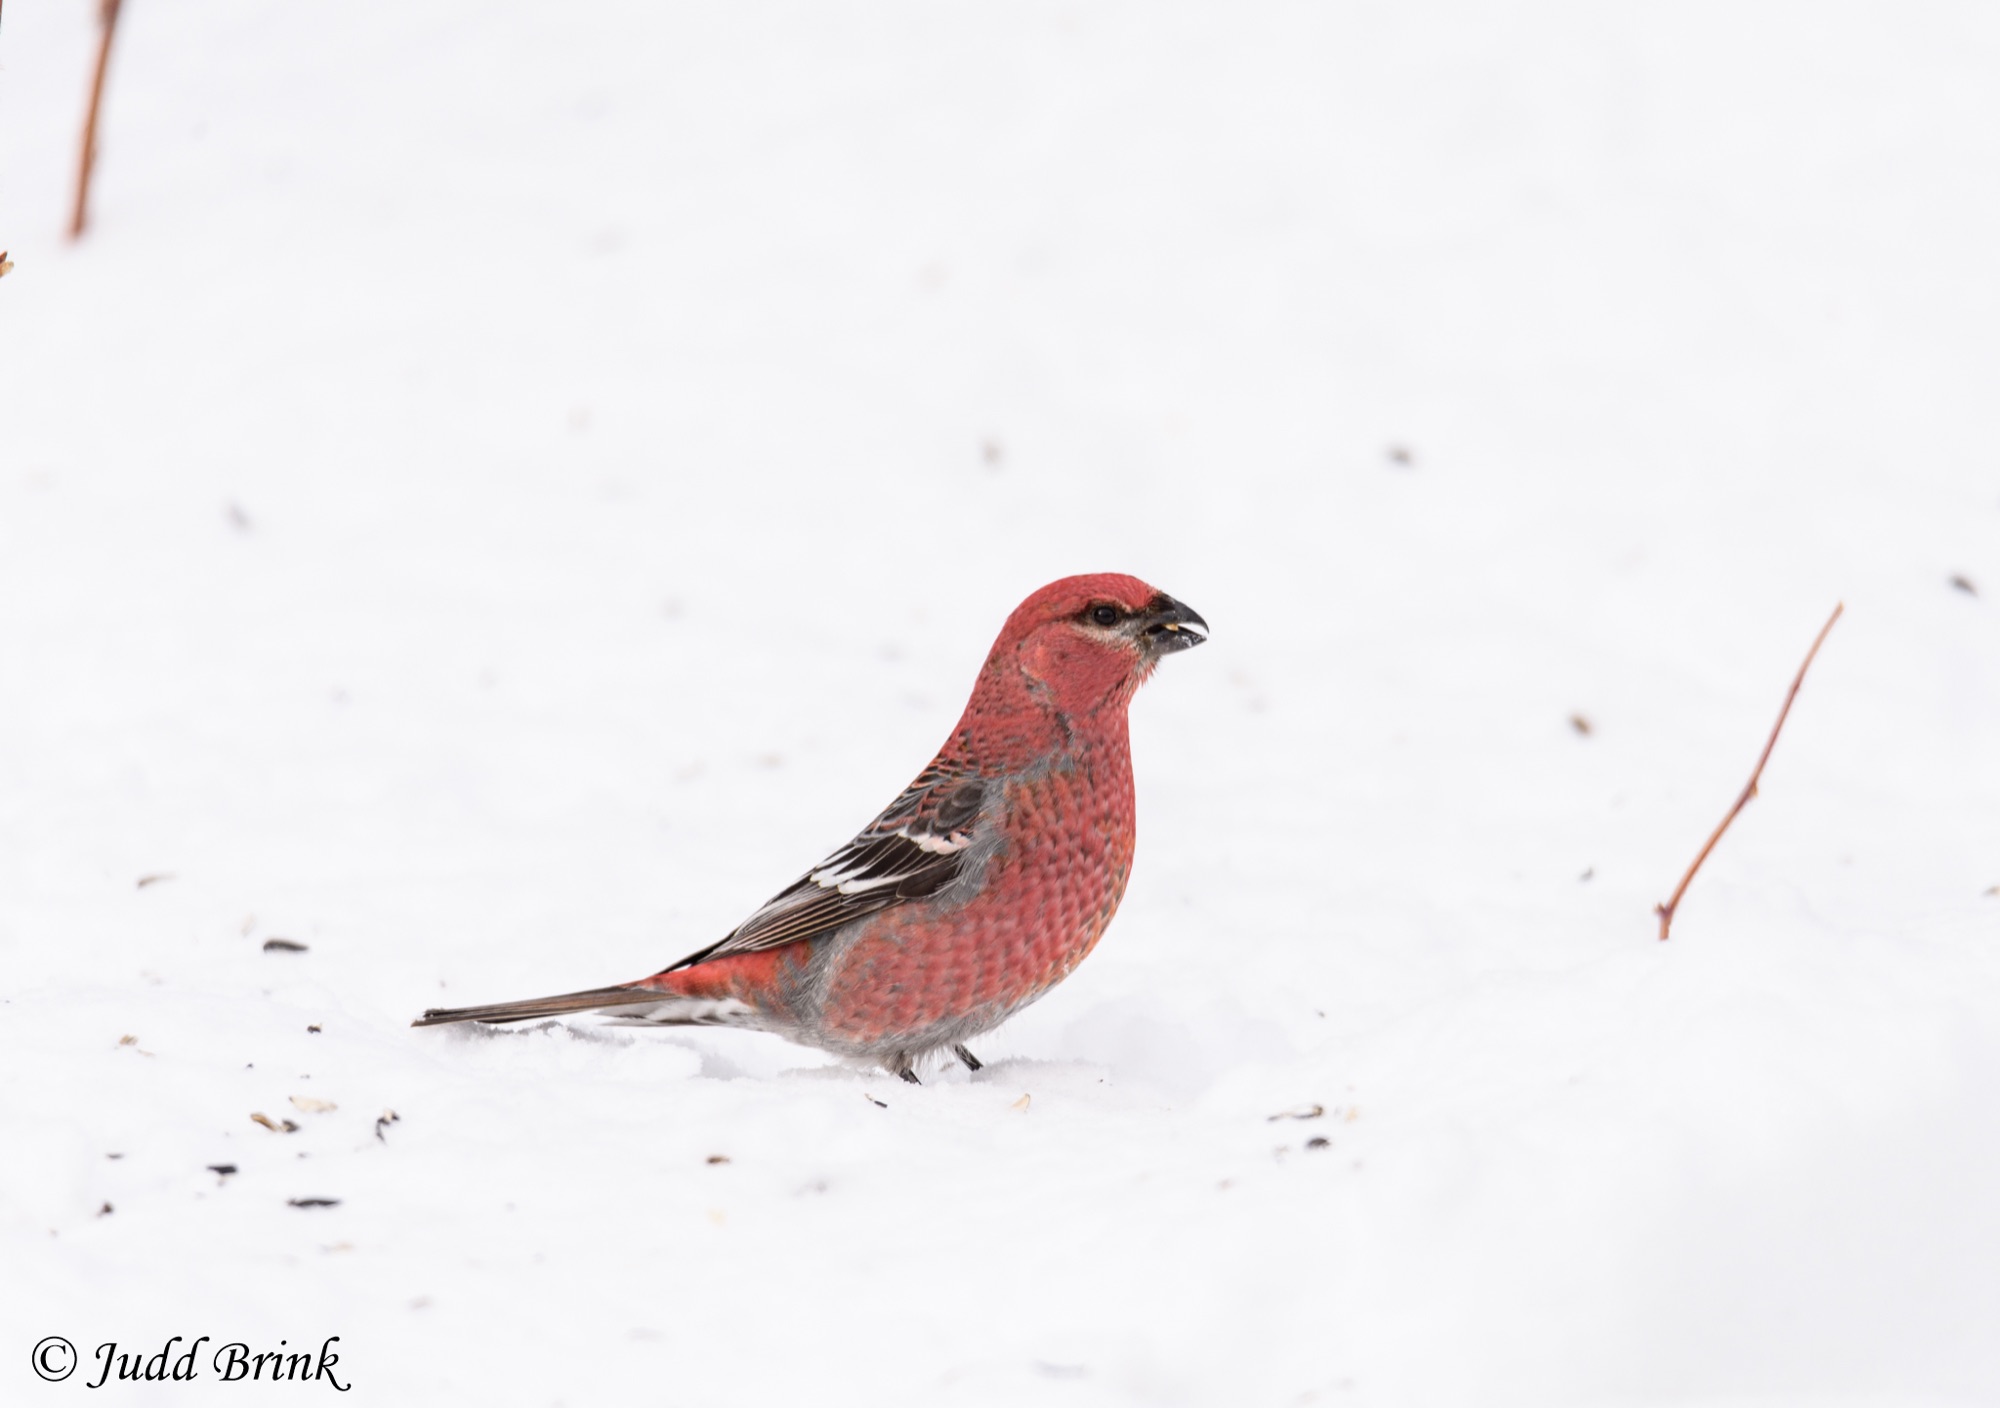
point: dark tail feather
(544, 1006)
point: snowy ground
(503, 487)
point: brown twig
(1666, 911)
(107, 15)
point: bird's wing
(912, 851)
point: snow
(502, 489)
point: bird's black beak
(1170, 625)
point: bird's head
(1085, 642)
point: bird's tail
(670, 999)
(531, 1008)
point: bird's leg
(901, 1066)
(972, 1062)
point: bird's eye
(1104, 615)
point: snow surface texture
(502, 488)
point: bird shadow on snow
(730, 1055)
(1011, 1076)
(1116, 1046)
(758, 1056)
(721, 1055)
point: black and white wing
(910, 852)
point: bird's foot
(972, 1062)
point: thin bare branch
(1666, 911)
(107, 15)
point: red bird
(977, 890)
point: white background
(502, 488)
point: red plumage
(978, 889)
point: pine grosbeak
(977, 890)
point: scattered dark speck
(878, 1104)
(1964, 584)
(1319, 1141)
(224, 1169)
(1402, 456)
(1580, 724)
(284, 946)
(313, 1028)
(114, 1156)
(718, 1158)
(105, 1211)
(1588, 873)
(312, 1202)
(145, 880)
(1304, 1112)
